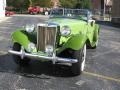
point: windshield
(70, 13)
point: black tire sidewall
(76, 67)
(17, 59)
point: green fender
(75, 42)
(20, 37)
(96, 34)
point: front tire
(80, 55)
(17, 59)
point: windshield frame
(66, 13)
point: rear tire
(17, 59)
(96, 44)
(80, 55)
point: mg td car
(62, 39)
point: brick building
(96, 4)
(101, 4)
(116, 11)
(2, 8)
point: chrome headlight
(49, 50)
(65, 31)
(30, 28)
(31, 47)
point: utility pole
(104, 8)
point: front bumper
(54, 59)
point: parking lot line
(102, 76)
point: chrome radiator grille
(46, 35)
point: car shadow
(36, 69)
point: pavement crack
(80, 82)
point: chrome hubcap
(83, 58)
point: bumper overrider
(54, 58)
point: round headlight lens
(31, 47)
(65, 31)
(49, 48)
(30, 27)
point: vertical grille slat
(46, 36)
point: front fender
(76, 42)
(20, 37)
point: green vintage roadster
(62, 39)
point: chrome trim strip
(53, 59)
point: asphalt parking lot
(102, 70)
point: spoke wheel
(83, 58)
(78, 68)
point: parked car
(9, 13)
(63, 39)
(34, 10)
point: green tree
(68, 3)
(42, 3)
(86, 4)
(18, 4)
(22, 4)
(79, 4)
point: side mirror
(91, 21)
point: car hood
(75, 24)
(66, 21)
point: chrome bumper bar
(54, 59)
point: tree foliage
(68, 3)
(42, 3)
(18, 4)
(86, 4)
(26, 3)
